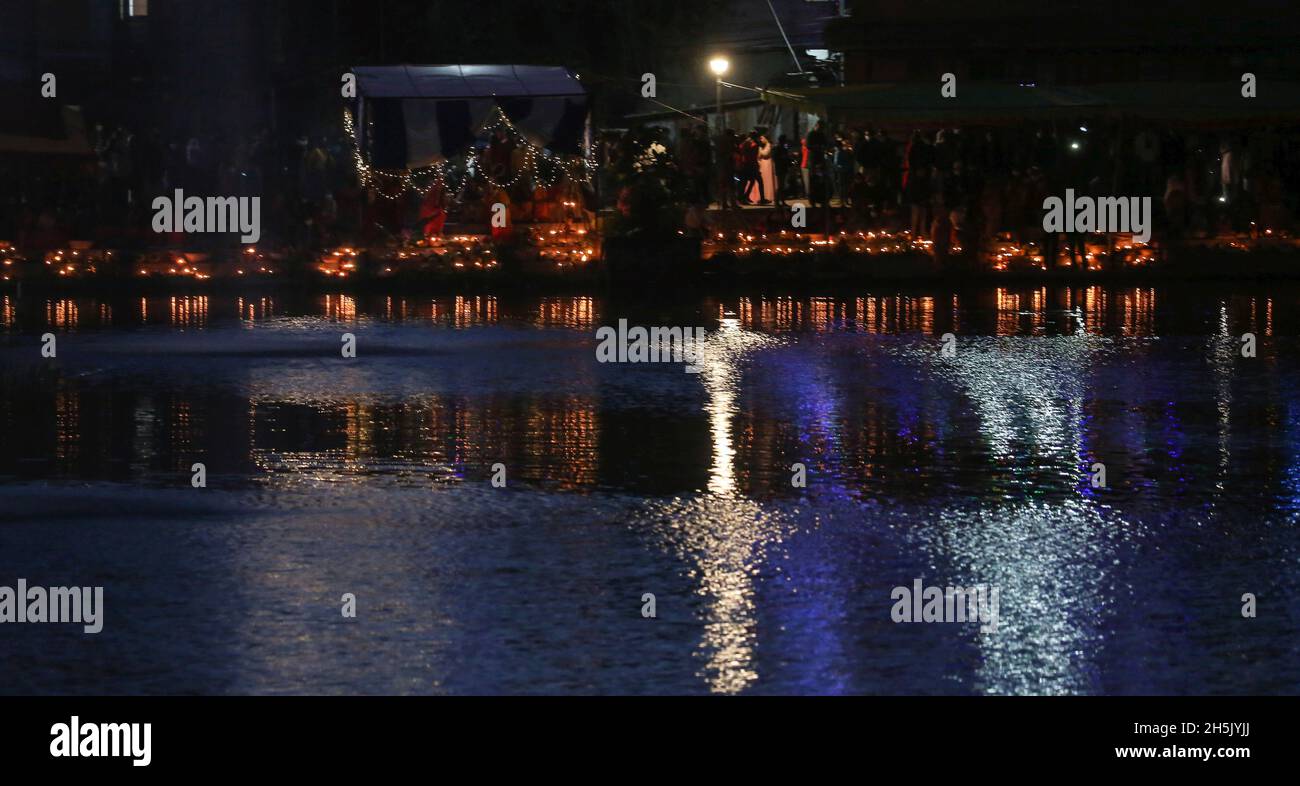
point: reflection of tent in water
(987, 103)
(410, 117)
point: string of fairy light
(437, 175)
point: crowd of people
(949, 183)
(311, 194)
(309, 191)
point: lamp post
(719, 66)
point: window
(130, 8)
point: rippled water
(372, 476)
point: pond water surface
(373, 476)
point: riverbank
(721, 273)
(720, 262)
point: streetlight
(719, 66)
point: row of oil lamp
(564, 246)
(788, 243)
(556, 248)
(71, 263)
(1004, 253)
(1008, 254)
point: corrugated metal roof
(465, 81)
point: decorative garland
(437, 173)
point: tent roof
(922, 102)
(993, 103)
(1202, 103)
(465, 81)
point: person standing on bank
(766, 182)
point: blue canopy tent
(408, 117)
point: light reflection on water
(631, 479)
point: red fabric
(432, 212)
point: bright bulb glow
(719, 65)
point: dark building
(1067, 41)
(73, 39)
(184, 66)
(767, 46)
